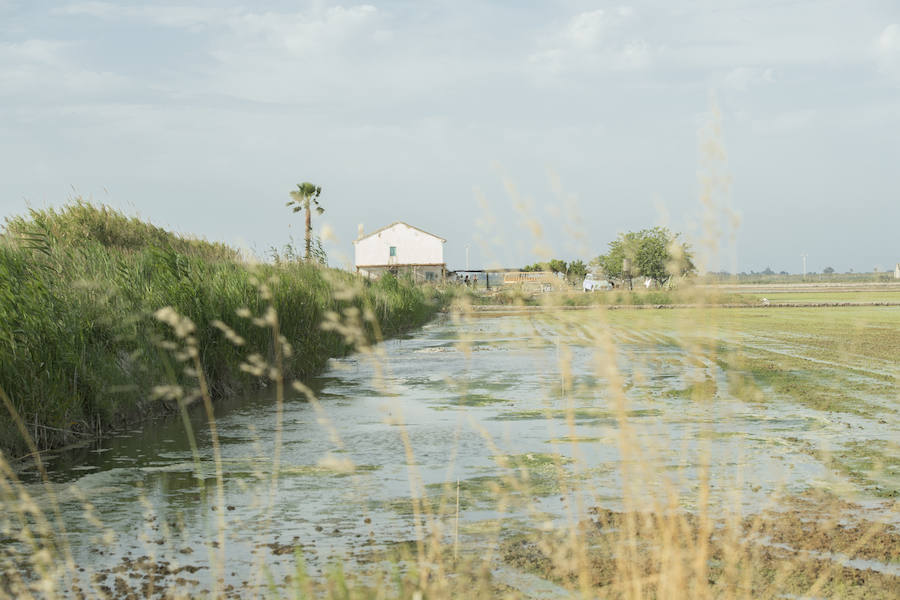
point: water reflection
(525, 387)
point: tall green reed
(79, 349)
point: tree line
(655, 253)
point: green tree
(558, 266)
(577, 270)
(656, 253)
(304, 198)
(828, 270)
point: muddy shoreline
(815, 541)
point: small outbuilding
(401, 248)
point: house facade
(401, 248)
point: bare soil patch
(813, 545)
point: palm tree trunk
(308, 231)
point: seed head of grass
(181, 325)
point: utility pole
(467, 257)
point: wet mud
(813, 542)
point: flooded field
(540, 454)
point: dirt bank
(814, 544)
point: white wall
(413, 247)
(419, 274)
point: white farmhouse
(400, 247)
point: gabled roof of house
(376, 232)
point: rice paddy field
(541, 453)
(889, 294)
(813, 292)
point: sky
(761, 130)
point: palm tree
(303, 198)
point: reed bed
(80, 350)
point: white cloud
(325, 56)
(742, 79)
(300, 33)
(377, 94)
(786, 123)
(264, 55)
(889, 40)
(887, 49)
(186, 17)
(586, 29)
(290, 30)
(45, 69)
(635, 54)
(594, 40)
(48, 52)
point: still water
(461, 400)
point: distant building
(401, 248)
(897, 271)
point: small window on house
(393, 250)
(429, 275)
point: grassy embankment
(80, 350)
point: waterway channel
(462, 400)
